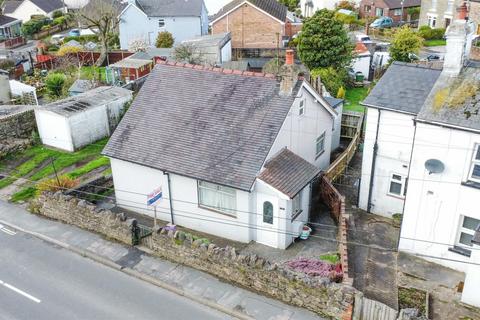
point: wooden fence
(351, 128)
(336, 203)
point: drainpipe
(374, 160)
(169, 195)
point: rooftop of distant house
(169, 8)
(271, 7)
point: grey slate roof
(404, 88)
(10, 6)
(465, 112)
(288, 172)
(333, 102)
(171, 8)
(272, 7)
(5, 19)
(202, 123)
(48, 5)
(89, 99)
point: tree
(54, 84)
(188, 53)
(405, 42)
(331, 78)
(292, 5)
(347, 5)
(164, 40)
(324, 42)
(101, 16)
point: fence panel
(368, 309)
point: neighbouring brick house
(439, 14)
(255, 23)
(388, 8)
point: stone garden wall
(327, 298)
(17, 124)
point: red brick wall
(250, 28)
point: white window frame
(220, 191)
(475, 162)
(302, 106)
(402, 182)
(161, 23)
(296, 206)
(462, 229)
(397, 12)
(377, 10)
(432, 21)
(321, 138)
(450, 6)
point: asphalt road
(41, 281)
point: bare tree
(188, 53)
(101, 16)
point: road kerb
(144, 277)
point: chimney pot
(462, 12)
(289, 57)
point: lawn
(434, 42)
(92, 72)
(353, 97)
(38, 166)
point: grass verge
(333, 258)
(434, 42)
(353, 97)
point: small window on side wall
(161, 23)
(466, 231)
(474, 174)
(320, 145)
(398, 185)
(301, 107)
(268, 212)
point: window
(379, 12)
(268, 212)
(432, 21)
(467, 230)
(296, 206)
(216, 197)
(398, 185)
(320, 145)
(449, 6)
(397, 12)
(161, 23)
(367, 8)
(301, 107)
(475, 168)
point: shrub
(164, 40)
(54, 185)
(59, 20)
(54, 84)
(7, 64)
(331, 78)
(68, 50)
(57, 14)
(33, 26)
(316, 268)
(82, 39)
(428, 33)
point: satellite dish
(434, 166)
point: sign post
(152, 199)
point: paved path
(40, 281)
(194, 284)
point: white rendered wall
(300, 132)
(54, 130)
(337, 131)
(471, 293)
(395, 139)
(140, 181)
(135, 25)
(226, 52)
(88, 126)
(362, 63)
(436, 202)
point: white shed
(72, 123)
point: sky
(214, 5)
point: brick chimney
(288, 73)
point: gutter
(372, 171)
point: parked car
(57, 38)
(383, 22)
(363, 38)
(74, 33)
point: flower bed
(317, 268)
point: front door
(267, 220)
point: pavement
(183, 281)
(39, 280)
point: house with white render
(234, 152)
(142, 20)
(422, 159)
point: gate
(141, 234)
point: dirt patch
(413, 298)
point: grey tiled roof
(48, 5)
(272, 7)
(404, 88)
(201, 123)
(288, 172)
(10, 6)
(457, 108)
(333, 102)
(171, 8)
(5, 19)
